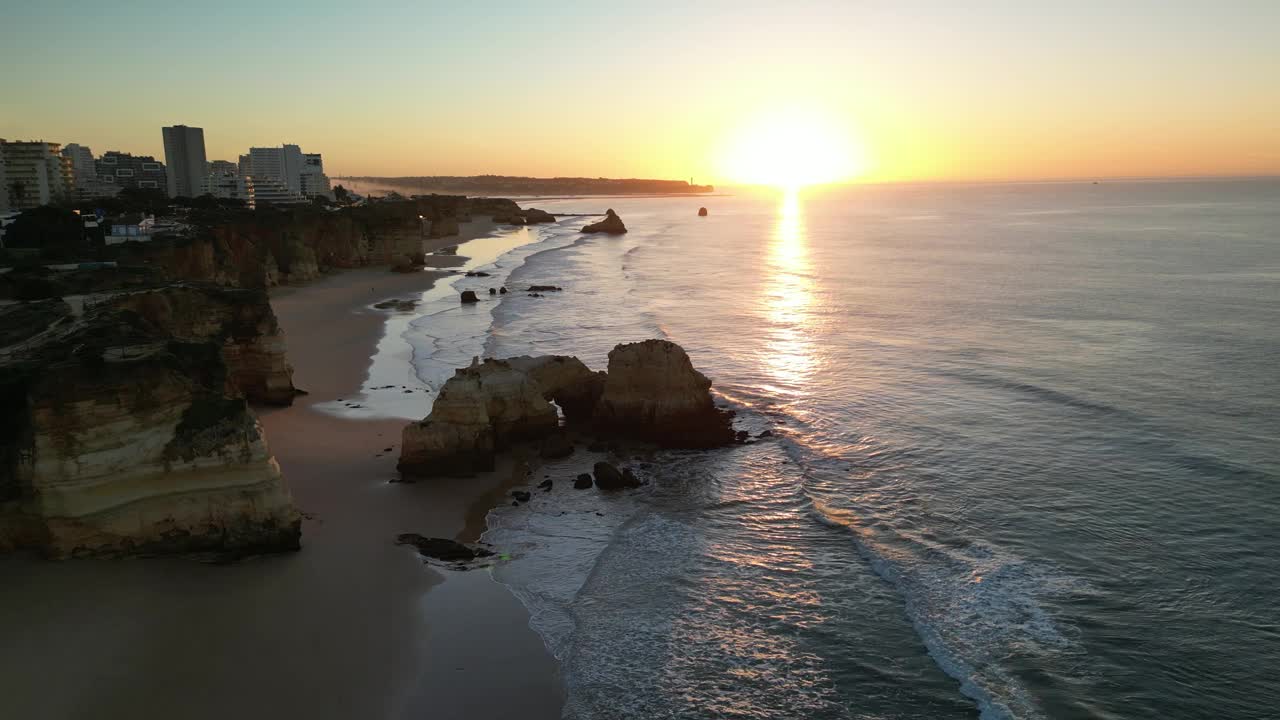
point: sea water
(1024, 458)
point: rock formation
(126, 430)
(656, 396)
(469, 296)
(611, 224)
(534, 216)
(652, 391)
(444, 227)
(239, 322)
(481, 409)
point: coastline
(350, 626)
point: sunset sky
(910, 90)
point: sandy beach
(352, 626)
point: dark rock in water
(556, 446)
(742, 435)
(535, 294)
(386, 449)
(611, 224)
(533, 216)
(492, 291)
(520, 495)
(765, 433)
(653, 392)
(502, 291)
(546, 485)
(582, 482)
(477, 273)
(608, 477)
(469, 296)
(543, 288)
(441, 548)
(702, 212)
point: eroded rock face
(653, 392)
(566, 381)
(444, 227)
(240, 322)
(479, 410)
(611, 224)
(119, 437)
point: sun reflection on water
(787, 298)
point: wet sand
(352, 626)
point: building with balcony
(35, 173)
(131, 172)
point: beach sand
(353, 626)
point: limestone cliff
(240, 323)
(255, 249)
(122, 436)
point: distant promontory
(511, 185)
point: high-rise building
(133, 172)
(184, 154)
(283, 164)
(36, 173)
(314, 182)
(301, 174)
(82, 169)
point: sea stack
(611, 224)
(652, 391)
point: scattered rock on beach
(502, 291)
(582, 482)
(702, 212)
(546, 485)
(469, 296)
(742, 436)
(608, 477)
(611, 224)
(544, 288)
(442, 548)
(492, 291)
(520, 495)
(477, 273)
(765, 434)
(535, 295)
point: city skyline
(921, 92)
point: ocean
(1024, 458)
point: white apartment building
(314, 182)
(268, 190)
(230, 186)
(185, 158)
(301, 174)
(35, 174)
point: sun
(791, 149)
